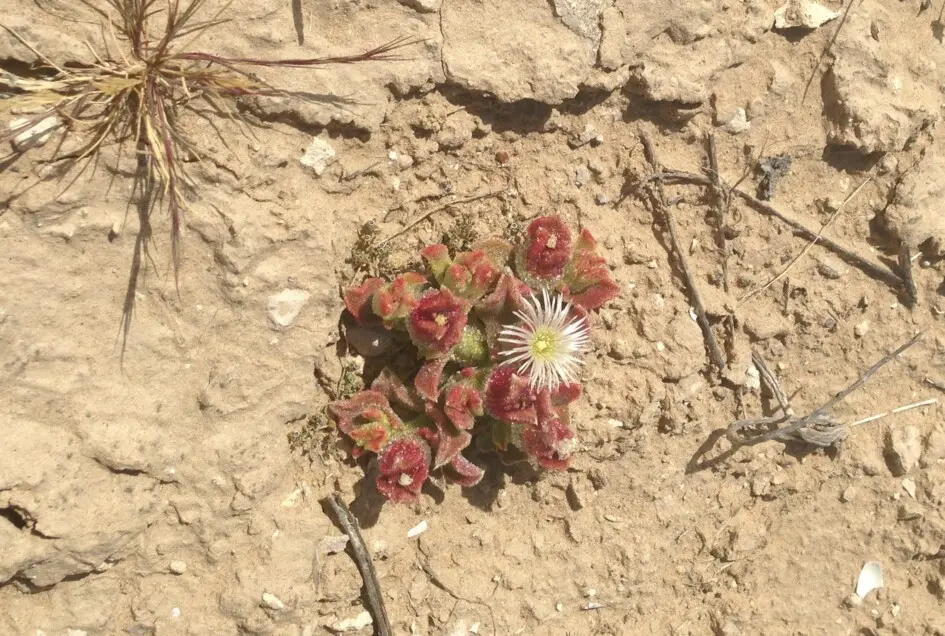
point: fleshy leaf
(447, 439)
(509, 397)
(507, 297)
(393, 302)
(464, 472)
(564, 394)
(473, 348)
(462, 403)
(550, 441)
(428, 378)
(404, 466)
(437, 257)
(547, 249)
(437, 321)
(394, 389)
(588, 281)
(359, 300)
(471, 275)
(367, 419)
(496, 249)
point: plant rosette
(499, 334)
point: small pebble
(502, 157)
(861, 329)
(738, 123)
(852, 601)
(848, 494)
(355, 624)
(909, 486)
(272, 602)
(903, 449)
(417, 530)
(178, 567)
(831, 268)
(602, 199)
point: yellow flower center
(552, 242)
(440, 319)
(544, 342)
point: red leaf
(507, 297)
(404, 466)
(464, 472)
(588, 280)
(462, 403)
(471, 275)
(428, 378)
(394, 389)
(393, 302)
(549, 442)
(437, 257)
(358, 300)
(547, 248)
(366, 418)
(449, 441)
(509, 397)
(437, 321)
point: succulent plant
(498, 332)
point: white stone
(802, 14)
(738, 123)
(36, 135)
(272, 601)
(284, 308)
(359, 622)
(318, 156)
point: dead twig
(658, 202)
(721, 201)
(816, 428)
(935, 384)
(905, 269)
(363, 559)
(870, 268)
(426, 215)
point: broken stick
(658, 201)
(365, 565)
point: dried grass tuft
(134, 93)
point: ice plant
(547, 249)
(403, 466)
(436, 322)
(547, 342)
(498, 332)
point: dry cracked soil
(158, 493)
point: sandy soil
(161, 496)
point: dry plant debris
(146, 76)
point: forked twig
(658, 202)
(363, 559)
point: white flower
(547, 343)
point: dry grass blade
(810, 244)
(143, 80)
